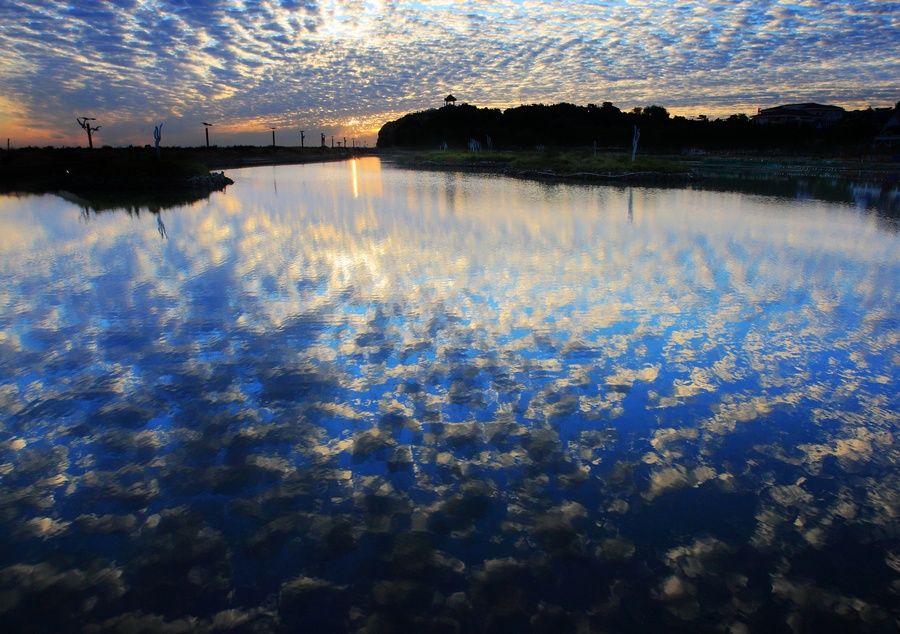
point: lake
(358, 398)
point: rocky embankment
(214, 181)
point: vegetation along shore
(553, 164)
(603, 143)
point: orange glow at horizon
(347, 67)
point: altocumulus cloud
(347, 66)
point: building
(800, 113)
(889, 136)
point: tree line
(566, 125)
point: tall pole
(207, 125)
(157, 136)
(85, 123)
(634, 142)
(273, 138)
(302, 136)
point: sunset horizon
(259, 134)
(346, 68)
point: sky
(346, 67)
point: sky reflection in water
(349, 396)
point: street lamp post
(273, 138)
(208, 126)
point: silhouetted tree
(656, 113)
(609, 110)
(568, 125)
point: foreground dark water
(354, 398)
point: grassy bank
(551, 162)
(618, 165)
(790, 165)
(108, 169)
(136, 170)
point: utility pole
(273, 138)
(84, 122)
(302, 136)
(634, 142)
(157, 137)
(208, 125)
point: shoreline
(502, 169)
(107, 178)
(112, 176)
(694, 167)
(259, 161)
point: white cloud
(313, 64)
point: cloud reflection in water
(380, 398)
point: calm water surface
(349, 397)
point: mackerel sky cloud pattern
(345, 67)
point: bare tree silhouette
(84, 122)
